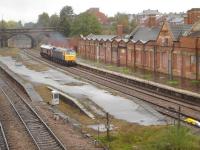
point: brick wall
(193, 15)
(179, 58)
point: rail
(41, 134)
(170, 108)
(3, 140)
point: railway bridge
(25, 37)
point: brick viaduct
(32, 33)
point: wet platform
(117, 106)
(27, 87)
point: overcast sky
(28, 10)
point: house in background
(101, 17)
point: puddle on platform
(119, 107)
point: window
(193, 59)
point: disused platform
(74, 102)
(117, 106)
(26, 87)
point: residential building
(101, 17)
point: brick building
(101, 17)
(169, 49)
(193, 15)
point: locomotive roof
(62, 49)
(46, 46)
(55, 48)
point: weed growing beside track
(153, 138)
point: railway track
(142, 87)
(42, 136)
(3, 140)
(165, 105)
(171, 110)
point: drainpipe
(154, 58)
(170, 62)
(126, 56)
(197, 59)
(105, 49)
(143, 55)
(134, 56)
(97, 52)
(111, 53)
(85, 50)
(118, 57)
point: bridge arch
(20, 40)
(35, 36)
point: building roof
(195, 34)
(175, 20)
(145, 34)
(179, 30)
(100, 37)
(194, 9)
(196, 26)
(150, 12)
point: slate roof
(179, 30)
(177, 20)
(145, 34)
(100, 37)
(195, 34)
(150, 12)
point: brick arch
(27, 35)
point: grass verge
(195, 82)
(172, 82)
(154, 138)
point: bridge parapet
(30, 30)
(6, 34)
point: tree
(54, 21)
(29, 25)
(43, 20)
(122, 19)
(66, 12)
(19, 24)
(66, 18)
(132, 25)
(10, 24)
(85, 24)
(3, 24)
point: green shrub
(164, 138)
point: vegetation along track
(163, 104)
(3, 140)
(41, 134)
